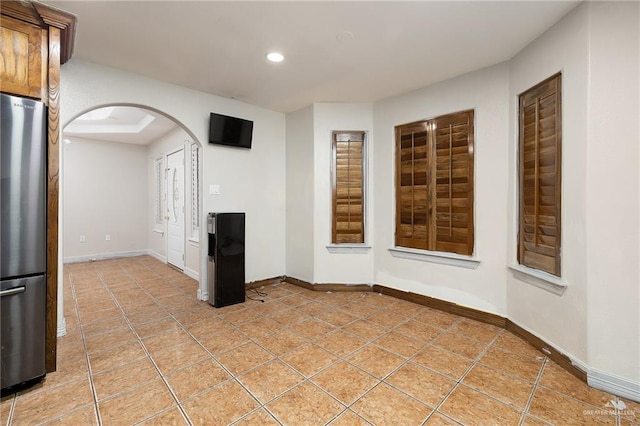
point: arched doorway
(124, 208)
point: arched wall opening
(113, 172)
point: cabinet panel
(22, 58)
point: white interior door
(175, 209)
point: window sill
(159, 231)
(439, 257)
(194, 241)
(348, 248)
(539, 279)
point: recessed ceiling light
(275, 57)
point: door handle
(12, 291)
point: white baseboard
(202, 295)
(104, 256)
(62, 328)
(607, 382)
(156, 255)
(615, 385)
(191, 274)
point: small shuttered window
(434, 184)
(348, 187)
(540, 132)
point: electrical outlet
(214, 189)
(83, 239)
(107, 237)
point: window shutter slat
(348, 187)
(540, 149)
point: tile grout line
(214, 358)
(308, 340)
(371, 342)
(84, 345)
(11, 409)
(525, 411)
(389, 374)
(462, 377)
(144, 348)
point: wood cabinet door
(23, 58)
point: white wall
(613, 184)
(251, 181)
(486, 91)
(299, 188)
(105, 192)
(561, 320)
(344, 268)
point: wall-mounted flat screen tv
(231, 131)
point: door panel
(175, 209)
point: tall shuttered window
(540, 128)
(158, 175)
(348, 187)
(434, 184)
(195, 195)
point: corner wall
(613, 201)
(309, 195)
(351, 267)
(299, 193)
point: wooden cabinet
(35, 40)
(23, 58)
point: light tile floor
(140, 349)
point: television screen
(232, 131)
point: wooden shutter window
(540, 132)
(434, 184)
(348, 188)
(412, 157)
(453, 183)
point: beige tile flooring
(141, 349)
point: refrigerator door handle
(12, 291)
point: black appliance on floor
(23, 257)
(226, 258)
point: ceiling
(336, 51)
(123, 124)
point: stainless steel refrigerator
(226, 259)
(23, 157)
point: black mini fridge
(225, 258)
